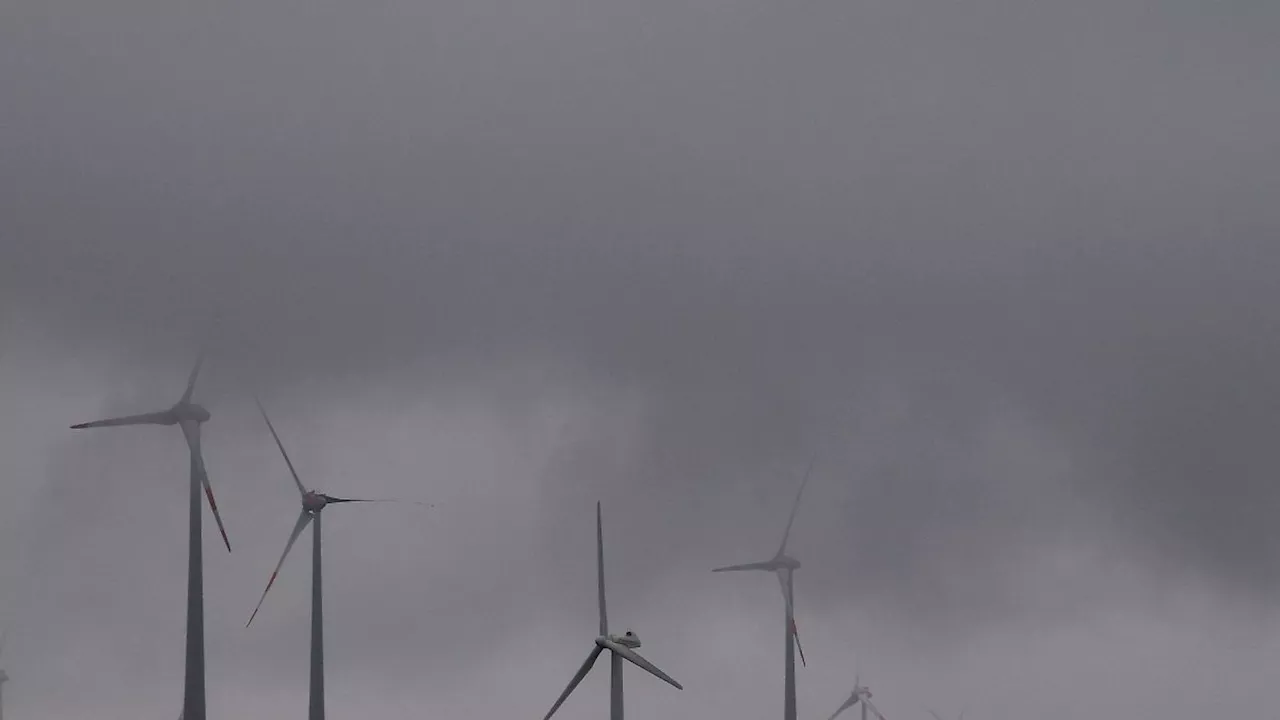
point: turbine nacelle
(314, 502)
(627, 639)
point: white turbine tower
(784, 566)
(621, 647)
(861, 695)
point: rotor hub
(313, 502)
(192, 411)
(788, 562)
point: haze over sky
(1008, 269)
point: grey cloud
(1004, 269)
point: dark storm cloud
(1006, 270)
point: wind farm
(938, 333)
(622, 648)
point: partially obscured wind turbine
(861, 694)
(620, 646)
(4, 678)
(784, 566)
(312, 504)
(189, 417)
(935, 715)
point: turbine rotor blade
(784, 577)
(934, 714)
(213, 505)
(635, 659)
(795, 632)
(287, 461)
(298, 527)
(331, 499)
(191, 379)
(767, 565)
(155, 418)
(874, 709)
(796, 506)
(604, 613)
(191, 430)
(847, 704)
(582, 672)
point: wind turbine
(622, 647)
(783, 566)
(188, 416)
(861, 693)
(4, 678)
(312, 504)
(935, 715)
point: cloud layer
(1005, 270)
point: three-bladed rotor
(782, 565)
(313, 503)
(861, 694)
(622, 646)
(189, 416)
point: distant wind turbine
(4, 678)
(783, 566)
(622, 647)
(861, 694)
(188, 416)
(936, 717)
(312, 504)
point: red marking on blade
(213, 505)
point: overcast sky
(1007, 269)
